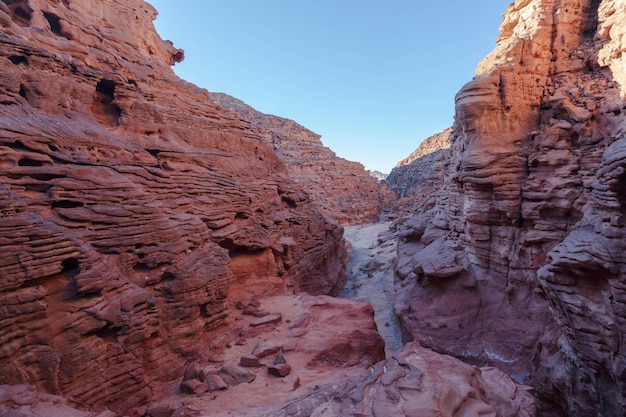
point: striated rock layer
(520, 264)
(130, 204)
(342, 189)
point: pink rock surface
(267, 319)
(131, 207)
(342, 189)
(335, 332)
(519, 261)
(415, 382)
(26, 401)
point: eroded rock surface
(130, 206)
(317, 338)
(26, 401)
(415, 382)
(520, 262)
(342, 189)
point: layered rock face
(130, 205)
(421, 173)
(342, 189)
(520, 264)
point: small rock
(280, 370)
(240, 341)
(239, 305)
(193, 371)
(193, 386)
(263, 349)
(270, 318)
(280, 358)
(233, 374)
(249, 361)
(254, 303)
(215, 382)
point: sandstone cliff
(520, 264)
(342, 189)
(420, 174)
(132, 207)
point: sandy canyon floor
(371, 281)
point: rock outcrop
(316, 338)
(380, 176)
(342, 189)
(415, 382)
(130, 207)
(520, 264)
(420, 175)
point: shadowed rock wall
(520, 263)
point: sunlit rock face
(130, 204)
(342, 189)
(520, 264)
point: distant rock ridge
(421, 173)
(380, 176)
(518, 261)
(342, 189)
(432, 144)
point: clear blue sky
(374, 78)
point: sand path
(372, 278)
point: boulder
(249, 361)
(280, 369)
(193, 386)
(233, 374)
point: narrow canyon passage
(371, 276)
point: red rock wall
(520, 264)
(130, 205)
(342, 189)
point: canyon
(173, 252)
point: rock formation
(342, 189)
(131, 207)
(380, 176)
(136, 215)
(421, 173)
(415, 382)
(316, 337)
(520, 264)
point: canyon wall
(341, 189)
(421, 173)
(132, 207)
(520, 263)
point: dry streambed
(372, 278)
